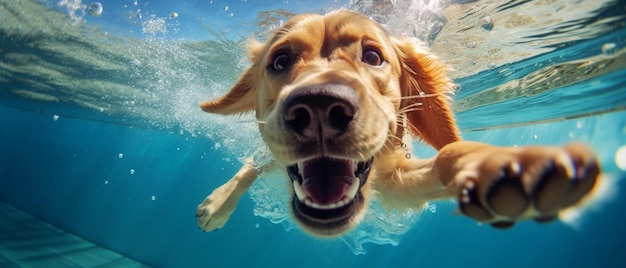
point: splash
(418, 18)
(154, 25)
(75, 10)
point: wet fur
(409, 94)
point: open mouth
(327, 190)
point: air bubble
(472, 44)
(55, 117)
(226, 8)
(95, 9)
(486, 23)
(120, 155)
(173, 15)
(432, 208)
(153, 197)
(609, 48)
(620, 158)
(132, 171)
(408, 156)
(106, 182)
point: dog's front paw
(530, 182)
(216, 208)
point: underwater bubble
(535, 137)
(620, 158)
(472, 44)
(173, 15)
(106, 182)
(153, 197)
(231, 14)
(120, 155)
(132, 171)
(226, 8)
(491, 65)
(55, 117)
(609, 48)
(432, 208)
(95, 9)
(486, 23)
(257, 225)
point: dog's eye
(282, 61)
(372, 57)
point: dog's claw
(469, 203)
(502, 224)
(546, 219)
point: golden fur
(380, 88)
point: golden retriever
(336, 99)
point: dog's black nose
(320, 111)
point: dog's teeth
(300, 193)
(354, 188)
(304, 197)
(312, 204)
(343, 202)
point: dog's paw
(512, 184)
(216, 208)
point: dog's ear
(242, 97)
(426, 91)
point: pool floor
(28, 242)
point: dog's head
(331, 94)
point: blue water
(128, 174)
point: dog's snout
(322, 110)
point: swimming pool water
(101, 134)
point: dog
(338, 101)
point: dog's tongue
(326, 180)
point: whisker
(412, 110)
(393, 137)
(421, 95)
(407, 110)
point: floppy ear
(242, 97)
(426, 91)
